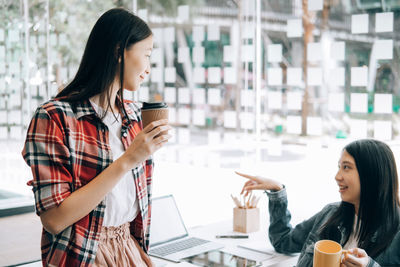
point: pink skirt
(117, 247)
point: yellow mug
(328, 253)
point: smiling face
(137, 63)
(348, 180)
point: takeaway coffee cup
(328, 253)
(154, 112)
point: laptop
(169, 238)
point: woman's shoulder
(55, 106)
(330, 208)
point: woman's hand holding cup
(355, 257)
(148, 141)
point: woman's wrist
(126, 163)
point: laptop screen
(166, 222)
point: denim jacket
(303, 236)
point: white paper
(214, 75)
(314, 52)
(14, 68)
(2, 52)
(294, 100)
(1, 35)
(170, 75)
(248, 30)
(3, 132)
(383, 130)
(383, 49)
(172, 115)
(184, 116)
(315, 5)
(199, 96)
(183, 96)
(314, 76)
(3, 116)
(359, 103)
(42, 41)
(294, 76)
(274, 76)
(247, 120)
(229, 53)
(13, 35)
(274, 100)
(230, 75)
(294, 28)
(383, 103)
(230, 119)
(2, 67)
(183, 54)
(247, 98)
(293, 124)
(198, 54)
(274, 53)
(16, 132)
(183, 13)
(157, 35)
(199, 117)
(214, 138)
(14, 117)
(247, 53)
(198, 33)
(144, 94)
(336, 102)
(358, 128)
(338, 50)
(384, 22)
(359, 76)
(337, 77)
(213, 32)
(156, 75)
(359, 23)
(214, 96)
(170, 94)
(249, 7)
(156, 56)
(53, 39)
(142, 13)
(183, 136)
(199, 75)
(169, 34)
(314, 126)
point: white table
(209, 232)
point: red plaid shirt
(66, 147)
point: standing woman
(91, 159)
(366, 221)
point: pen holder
(246, 220)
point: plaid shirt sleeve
(48, 156)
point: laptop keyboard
(178, 246)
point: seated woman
(366, 221)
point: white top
(352, 242)
(121, 202)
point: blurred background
(272, 88)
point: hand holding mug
(355, 257)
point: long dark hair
(116, 30)
(378, 213)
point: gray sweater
(302, 238)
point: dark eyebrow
(347, 162)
